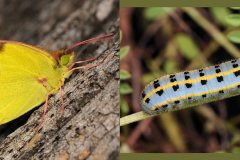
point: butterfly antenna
(92, 40)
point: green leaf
(153, 13)
(187, 46)
(233, 20)
(124, 106)
(125, 89)
(219, 13)
(123, 52)
(124, 74)
(234, 36)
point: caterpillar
(190, 88)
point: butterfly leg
(44, 111)
(62, 100)
(85, 67)
(71, 69)
(83, 61)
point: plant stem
(134, 118)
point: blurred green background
(160, 40)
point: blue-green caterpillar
(191, 88)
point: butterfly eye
(65, 59)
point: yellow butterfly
(28, 75)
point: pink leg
(78, 62)
(44, 111)
(71, 69)
(87, 60)
(62, 101)
(84, 67)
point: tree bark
(89, 128)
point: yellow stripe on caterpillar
(193, 95)
(190, 81)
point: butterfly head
(63, 58)
(66, 59)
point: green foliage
(125, 89)
(233, 20)
(123, 52)
(187, 46)
(218, 14)
(170, 66)
(153, 13)
(124, 106)
(234, 36)
(124, 74)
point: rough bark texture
(89, 128)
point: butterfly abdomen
(186, 89)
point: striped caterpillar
(187, 89)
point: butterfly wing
(27, 75)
